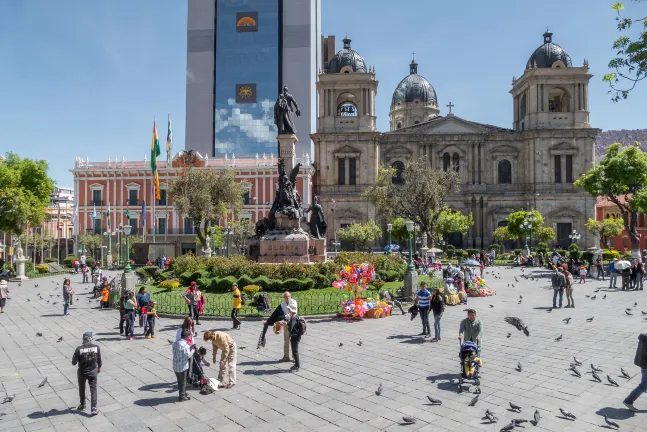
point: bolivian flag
(155, 152)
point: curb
(247, 318)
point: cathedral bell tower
(347, 92)
(551, 93)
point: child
(472, 366)
(582, 273)
(151, 314)
(203, 352)
(85, 271)
(105, 295)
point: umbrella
(472, 263)
(392, 247)
(622, 265)
(434, 250)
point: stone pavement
(335, 389)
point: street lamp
(228, 233)
(409, 225)
(527, 225)
(574, 236)
(389, 228)
(127, 229)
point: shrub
(450, 250)
(576, 255)
(390, 276)
(185, 278)
(574, 247)
(588, 256)
(197, 275)
(496, 247)
(223, 285)
(42, 268)
(153, 272)
(275, 285)
(68, 260)
(139, 271)
(169, 283)
(251, 290)
(383, 274)
(205, 283)
(542, 245)
(263, 282)
(321, 281)
(517, 252)
(185, 263)
(298, 284)
(471, 252)
(244, 280)
(50, 260)
(458, 253)
(89, 261)
(563, 252)
(378, 284)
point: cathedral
(530, 166)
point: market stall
(355, 279)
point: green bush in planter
(517, 252)
(563, 252)
(496, 247)
(68, 260)
(275, 285)
(90, 261)
(471, 252)
(224, 284)
(450, 251)
(321, 281)
(50, 260)
(244, 280)
(588, 256)
(574, 247)
(298, 284)
(576, 255)
(263, 282)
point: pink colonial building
(127, 185)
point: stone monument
(20, 264)
(207, 250)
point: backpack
(641, 352)
(243, 299)
(302, 326)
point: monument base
(20, 270)
(206, 253)
(289, 242)
(410, 284)
(128, 282)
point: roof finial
(347, 42)
(548, 36)
(414, 56)
(413, 66)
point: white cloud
(259, 129)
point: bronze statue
(287, 200)
(283, 112)
(317, 222)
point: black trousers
(91, 378)
(181, 382)
(294, 343)
(130, 323)
(194, 314)
(121, 321)
(234, 317)
(151, 327)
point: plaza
(335, 388)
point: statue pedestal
(128, 282)
(206, 253)
(20, 270)
(287, 150)
(410, 284)
(109, 261)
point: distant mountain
(623, 136)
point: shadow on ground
(169, 387)
(153, 402)
(618, 413)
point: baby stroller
(467, 348)
(196, 373)
(262, 303)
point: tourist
(75, 264)
(625, 274)
(67, 296)
(559, 284)
(540, 256)
(130, 306)
(492, 256)
(143, 298)
(294, 329)
(237, 302)
(640, 272)
(4, 294)
(633, 275)
(105, 297)
(582, 273)
(437, 307)
(599, 264)
(278, 315)
(613, 274)
(151, 316)
(192, 296)
(85, 270)
(122, 312)
(163, 262)
(88, 357)
(422, 300)
(187, 325)
(640, 361)
(223, 342)
(471, 329)
(570, 282)
(181, 358)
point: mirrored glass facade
(247, 59)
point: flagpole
(58, 235)
(34, 255)
(42, 242)
(154, 224)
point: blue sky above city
(87, 79)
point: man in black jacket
(641, 361)
(279, 314)
(88, 357)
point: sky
(87, 78)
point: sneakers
(285, 360)
(94, 411)
(294, 369)
(81, 407)
(148, 337)
(132, 338)
(152, 337)
(630, 407)
(184, 398)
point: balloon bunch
(479, 288)
(360, 307)
(355, 277)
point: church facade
(530, 166)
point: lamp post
(108, 234)
(574, 236)
(527, 225)
(227, 234)
(127, 229)
(410, 228)
(411, 275)
(389, 228)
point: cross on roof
(414, 55)
(450, 105)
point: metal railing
(133, 202)
(98, 203)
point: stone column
(287, 152)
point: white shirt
(284, 307)
(82, 259)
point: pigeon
(612, 382)
(549, 310)
(434, 401)
(508, 428)
(596, 377)
(509, 334)
(47, 301)
(520, 297)
(8, 398)
(611, 423)
(624, 373)
(518, 422)
(628, 313)
(490, 416)
(43, 382)
(588, 296)
(567, 414)
(59, 339)
(39, 334)
(474, 400)
(643, 312)
(512, 285)
(408, 420)
(515, 279)
(577, 362)
(567, 320)
(378, 392)
(54, 303)
(38, 294)
(491, 306)
(558, 338)
(594, 297)
(514, 407)
(604, 297)
(359, 343)
(36, 286)
(635, 304)
(590, 319)
(341, 344)
(19, 284)
(519, 367)
(170, 342)
(594, 368)
(575, 371)
(518, 323)
(28, 300)
(537, 417)
(519, 302)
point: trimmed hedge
(471, 252)
(243, 281)
(321, 281)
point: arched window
(446, 161)
(505, 172)
(347, 109)
(399, 125)
(558, 100)
(398, 177)
(456, 162)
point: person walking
(437, 307)
(471, 329)
(130, 306)
(640, 275)
(570, 284)
(67, 296)
(613, 274)
(88, 358)
(278, 315)
(181, 357)
(225, 343)
(600, 266)
(122, 312)
(236, 303)
(641, 361)
(151, 317)
(559, 283)
(294, 329)
(4, 294)
(423, 300)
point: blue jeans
(437, 325)
(65, 308)
(561, 296)
(424, 316)
(642, 388)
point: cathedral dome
(546, 55)
(347, 60)
(414, 87)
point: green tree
(206, 197)
(501, 234)
(451, 221)
(399, 231)
(25, 190)
(605, 229)
(622, 177)
(544, 234)
(517, 219)
(630, 64)
(240, 231)
(217, 238)
(92, 243)
(360, 234)
(421, 197)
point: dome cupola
(549, 55)
(414, 88)
(347, 60)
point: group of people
(563, 280)
(142, 306)
(631, 277)
(427, 302)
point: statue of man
(283, 109)
(317, 223)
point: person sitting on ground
(472, 366)
(389, 299)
